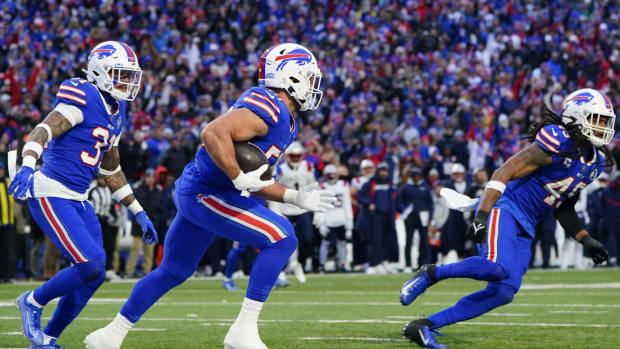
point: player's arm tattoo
(58, 125)
(520, 165)
(110, 161)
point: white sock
(248, 316)
(47, 339)
(281, 276)
(120, 325)
(30, 299)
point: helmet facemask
(307, 93)
(598, 135)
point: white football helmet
(367, 168)
(293, 68)
(331, 173)
(294, 154)
(584, 109)
(113, 65)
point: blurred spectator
(7, 229)
(51, 259)
(452, 232)
(361, 234)
(377, 208)
(595, 192)
(101, 198)
(545, 234)
(416, 201)
(22, 238)
(297, 172)
(176, 157)
(611, 216)
(134, 155)
(152, 200)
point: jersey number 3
(102, 134)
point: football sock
(248, 316)
(120, 326)
(69, 279)
(267, 266)
(323, 251)
(477, 268)
(70, 305)
(474, 305)
(33, 301)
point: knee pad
(92, 270)
(495, 272)
(502, 293)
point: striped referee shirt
(101, 198)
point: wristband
(34, 147)
(109, 173)
(47, 128)
(29, 161)
(135, 207)
(290, 196)
(497, 185)
(122, 192)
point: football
(250, 157)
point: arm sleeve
(261, 103)
(567, 216)
(70, 112)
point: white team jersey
(342, 214)
(357, 182)
(296, 179)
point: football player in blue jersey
(566, 154)
(81, 135)
(209, 201)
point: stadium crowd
(436, 91)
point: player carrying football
(208, 200)
(566, 154)
(81, 135)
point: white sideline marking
(578, 311)
(541, 324)
(369, 339)
(571, 286)
(148, 329)
(12, 333)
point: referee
(101, 198)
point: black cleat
(420, 332)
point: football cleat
(299, 273)
(243, 338)
(229, 285)
(281, 283)
(423, 279)
(420, 332)
(52, 345)
(31, 319)
(101, 339)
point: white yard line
(148, 329)
(366, 339)
(12, 333)
(578, 311)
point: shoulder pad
(261, 101)
(73, 91)
(553, 139)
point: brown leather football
(250, 157)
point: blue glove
(23, 182)
(150, 235)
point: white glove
(323, 230)
(251, 181)
(310, 198)
(348, 234)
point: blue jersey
(530, 198)
(73, 158)
(282, 130)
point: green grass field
(553, 310)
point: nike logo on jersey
(424, 339)
(270, 94)
(73, 83)
(476, 228)
(554, 133)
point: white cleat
(299, 273)
(101, 339)
(238, 338)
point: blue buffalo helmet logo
(581, 98)
(103, 51)
(299, 56)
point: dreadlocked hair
(581, 143)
